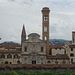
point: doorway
(6, 62)
(33, 62)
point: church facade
(33, 50)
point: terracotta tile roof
(9, 51)
(9, 46)
(72, 46)
(58, 56)
(56, 46)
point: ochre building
(10, 54)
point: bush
(36, 73)
(2, 68)
(12, 73)
(46, 73)
(8, 68)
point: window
(65, 51)
(41, 49)
(71, 54)
(25, 49)
(2, 62)
(71, 60)
(45, 28)
(73, 39)
(18, 62)
(2, 56)
(60, 48)
(48, 61)
(6, 62)
(15, 56)
(56, 48)
(56, 62)
(50, 52)
(10, 62)
(45, 18)
(9, 56)
(45, 38)
(63, 62)
(71, 49)
(41, 62)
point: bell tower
(23, 35)
(73, 37)
(45, 27)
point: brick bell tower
(45, 27)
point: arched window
(45, 38)
(48, 61)
(9, 56)
(6, 62)
(15, 56)
(45, 28)
(2, 56)
(72, 55)
(18, 62)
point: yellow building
(57, 59)
(57, 55)
(10, 54)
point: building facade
(33, 50)
(38, 51)
(10, 54)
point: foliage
(35, 73)
(8, 73)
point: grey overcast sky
(15, 13)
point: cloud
(53, 28)
(11, 0)
(27, 2)
(15, 13)
(1, 1)
(49, 0)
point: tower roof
(73, 31)
(45, 10)
(23, 31)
